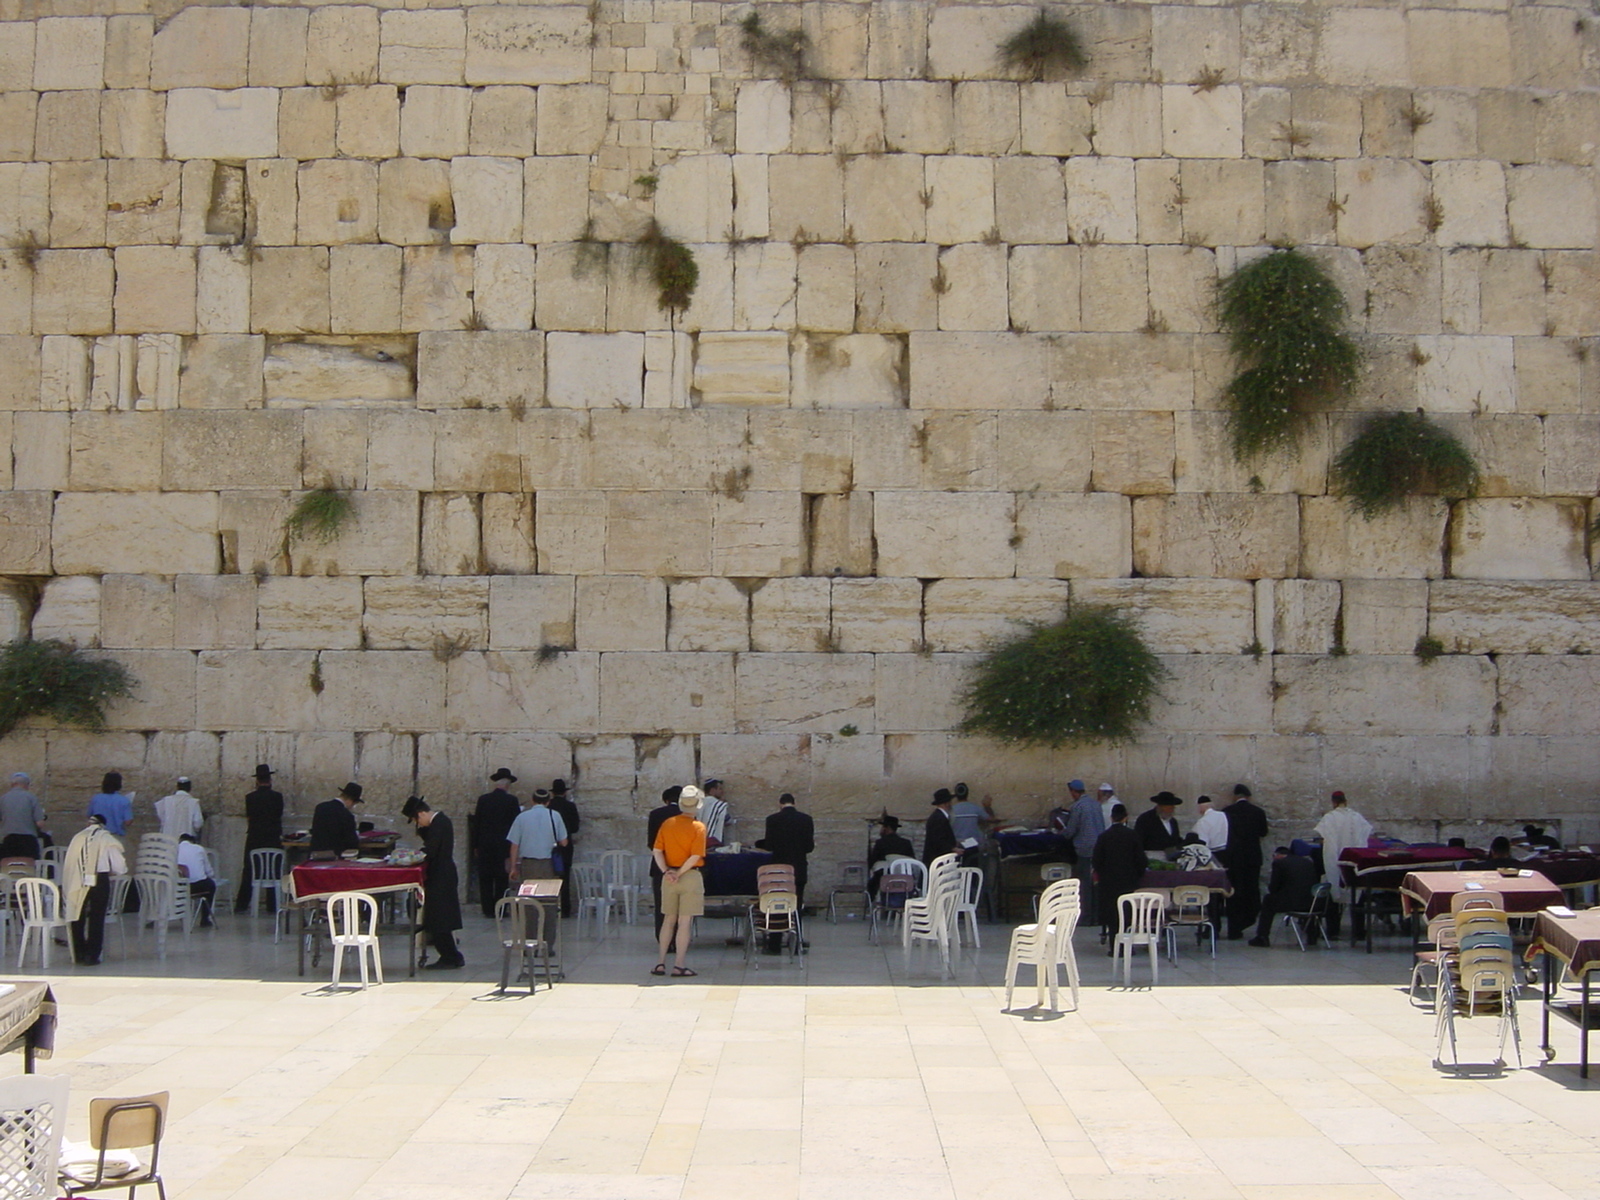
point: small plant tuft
(1432, 214)
(1046, 45)
(1428, 648)
(848, 731)
(1414, 115)
(320, 515)
(314, 682)
(1209, 79)
(1402, 454)
(27, 247)
(1088, 677)
(54, 679)
(672, 268)
(1255, 650)
(782, 54)
(549, 652)
(647, 184)
(1284, 317)
(1294, 137)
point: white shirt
(179, 814)
(1213, 829)
(192, 858)
(1107, 805)
(1339, 830)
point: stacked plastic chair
(932, 917)
(1046, 944)
(1478, 980)
(776, 912)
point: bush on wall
(57, 680)
(1402, 454)
(1087, 677)
(1044, 45)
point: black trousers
(444, 943)
(89, 930)
(203, 896)
(492, 880)
(1272, 905)
(565, 874)
(1244, 906)
(241, 895)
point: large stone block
(1305, 614)
(258, 690)
(135, 533)
(452, 535)
(974, 288)
(434, 123)
(863, 370)
(1133, 453)
(342, 45)
(205, 450)
(708, 614)
(72, 292)
(978, 371)
(1055, 122)
(621, 612)
(1382, 199)
(762, 119)
(382, 539)
(595, 370)
(1572, 455)
(742, 368)
(662, 693)
(529, 612)
(503, 288)
(488, 199)
(805, 197)
(237, 124)
(383, 689)
(570, 532)
(658, 533)
(1197, 123)
(931, 535)
(436, 288)
(1553, 205)
(958, 451)
(1472, 196)
(163, 699)
(883, 198)
(757, 534)
(1383, 616)
(1519, 539)
(422, 47)
(309, 614)
(333, 371)
(791, 614)
(920, 693)
(1115, 292)
(572, 120)
(1405, 543)
(444, 613)
(1383, 694)
(504, 121)
(136, 612)
(517, 691)
(841, 534)
(69, 610)
(1515, 618)
(1547, 695)
(962, 39)
(1180, 616)
(1231, 536)
(1213, 693)
(1123, 371)
(876, 615)
(987, 118)
(488, 369)
(289, 291)
(973, 614)
(817, 693)
(1049, 451)
(214, 612)
(917, 116)
(895, 287)
(1101, 200)
(1071, 535)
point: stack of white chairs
(620, 870)
(932, 917)
(1046, 944)
(1478, 979)
(163, 896)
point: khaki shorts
(685, 898)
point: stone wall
(950, 363)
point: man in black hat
(1247, 825)
(659, 816)
(1119, 865)
(1157, 827)
(491, 821)
(441, 905)
(333, 824)
(263, 829)
(891, 843)
(938, 834)
(561, 802)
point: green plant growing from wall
(57, 680)
(1088, 677)
(672, 269)
(1284, 317)
(1402, 454)
(780, 53)
(320, 515)
(1045, 45)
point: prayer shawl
(86, 851)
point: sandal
(682, 972)
(659, 969)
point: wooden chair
(132, 1123)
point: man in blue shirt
(111, 805)
(534, 835)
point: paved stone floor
(1268, 1075)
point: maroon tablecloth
(1567, 869)
(1575, 939)
(1365, 867)
(325, 878)
(1217, 881)
(1432, 891)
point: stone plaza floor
(1267, 1075)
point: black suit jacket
(441, 910)
(1119, 861)
(1247, 825)
(939, 836)
(658, 817)
(1291, 883)
(890, 843)
(491, 821)
(1153, 835)
(333, 827)
(791, 835)
(263, 814)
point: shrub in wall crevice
(1402, 454)
(55, 679)
(1045, 45)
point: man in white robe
(1340, 829)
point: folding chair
(852, 882)
(889, 905)
(1190, 910)
(1313, 920)
(774, 914)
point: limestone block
(1030, 200)
(987, 118)
(572, 120)
(480, 370)
(708, 614)
(1072, 535)
(400, 451)
(1114, 291)
(135, 533)
(791, 614)
(155, 289)
(751, 197)
(250, 526)
(961, 192)
(1185, 42)
(1383, 694)
(289, 290)
(1519, 539)
(435, 287)
(277, 47)
(1514, 618)
(504, 121)
(1054, 122)
(136, 612)
(235, 124)
(452, 535)
(1473, 198)
(508, 529)
(19, 371)
(434, 122)
(214, 450)
(72, 292)
(1224, 201)
(1331, 121)
(393, 689)
(25, 532)
(806, 196)
(527, 45)
(667, 366)
(426, 612)
(1553, 205)
(382, 539)
(368, 122)
(556, 199)
(1231, 536)
(841, 535)
(302, 374)
(519, 691)
(69, 610)
(503, 287)
(856, 120)
(861, 370)
(825, 299)
(69, 52)
(422, 47)
(1204, 459)
(245, 689)
(918, 117)
(1048, 451)
(78, 217)
(883, 198)
(163, 699)
(214, 612)
(334, 446)
(894, 287)
(142, 202)
(683, 693)
(1183, 282)
(694, 450)
(595, 370)
(1364, 47)
(202, 47)
(308, 614)
(1406, 285)
(1214, 694)
(1536, 694)
(102, 444)
(764, 284)
(1267, 117)
(1575, 292)
(971, 615)
(1405, 543)
(1044, 288)
(132, 125)
(757, 534)
(1451, 49)
(488, 199)
(1101, 200)
(1305, 613)
(532, 611)
(961, 39)
(16, 55)
(342, 46)
(762, 117)
(920, 692)
(1133, 453)
(364, 288)
(1202, 124)
(930, 535)
(958, 451)
(1384, 616)
(1128, 121)
(1510, 450)
(1383, 201)
(24, 198)
(18, 124)
(974, 281)
(64, 373)
(875, 616)
(1548, 379)
(1572, 462)
(41, 454)
(1180, 616)
(694, 198)
(658, 533)
(978, 371)
(809, 692)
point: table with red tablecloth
(1372, 872)
(1574, 939)
(311, 882)
(1567, 869)
(1432, 892)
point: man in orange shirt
(679, 850)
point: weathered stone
(1202, 124)
(342, 45)
(289, 291)
(930, 535)
(792, 614)
(1536, 694)
(808, 692)
(511, 691)
(473, 370)
(1065, 535)
(1232, 536)
(742, 368)
(978, 371)
(214, 612)
(72, 292)
(1180, 616)
(508, 529)
(431, 612)
(658, 533)
(974, 295)
(381, 539)
(806, 197)
(422, 47)
(1384, 616)
(1221, 693)
(1305, 615)
(1382, 199)
(1515, 618)
(707, 614)
(841, 534)
(958, 451)
(875, 615)
(1121, 371)
(301, 374)
(503, 121)
(1133, 453)
(204, 450)
(970, 615)
(683, 693)
(530, 612)
(135, 533)
(1553, 205)
(850, 371)
(883, 198)
(1519, 539)
(452, 535)
(436, 288)
(392, 689)
(895, 287)
(1405, 543)
(595, 370)
(1393, 693)
(572, 120)
(757, 534)
(1049, 451)
(236, 124)
(308, 614)
(69, 610)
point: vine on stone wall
(1284, 317)
(55, 679)
(783, 54)
(1088, 677)
(1402, 454)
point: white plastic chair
(967, 904)
(33, 1112)
(1046, 944)
(212, 861)
(932, 918)
(164, 899)
(266, 874)
(116, 907)
(620, 870)
(591, 898)
(39, 901)
(50, 860)
(1139, 924)
(353, 925)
